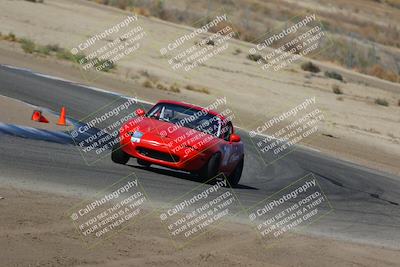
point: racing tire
(143, 163)
(118, 155)
(210, 170)
(235, 176)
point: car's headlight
(136, 136)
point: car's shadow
(183, 175)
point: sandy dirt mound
(353, 123)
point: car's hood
(169, 133)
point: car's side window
(228, 129)
(155, 113)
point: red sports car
(184, 137)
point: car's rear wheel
(118, 155)
(143, 163)
(235, 176)
(210, 170)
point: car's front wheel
(210, 170)
(118, 155)
(235, 176)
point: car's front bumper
(160, 154)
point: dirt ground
(35, 227)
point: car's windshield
(186, 117)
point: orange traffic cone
(37, 116)
(61, 120)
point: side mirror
(234, 138)
(140, 112)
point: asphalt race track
(365, 202)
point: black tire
(210, 169)
(235, 176)
(118, 155)
(143, 163)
